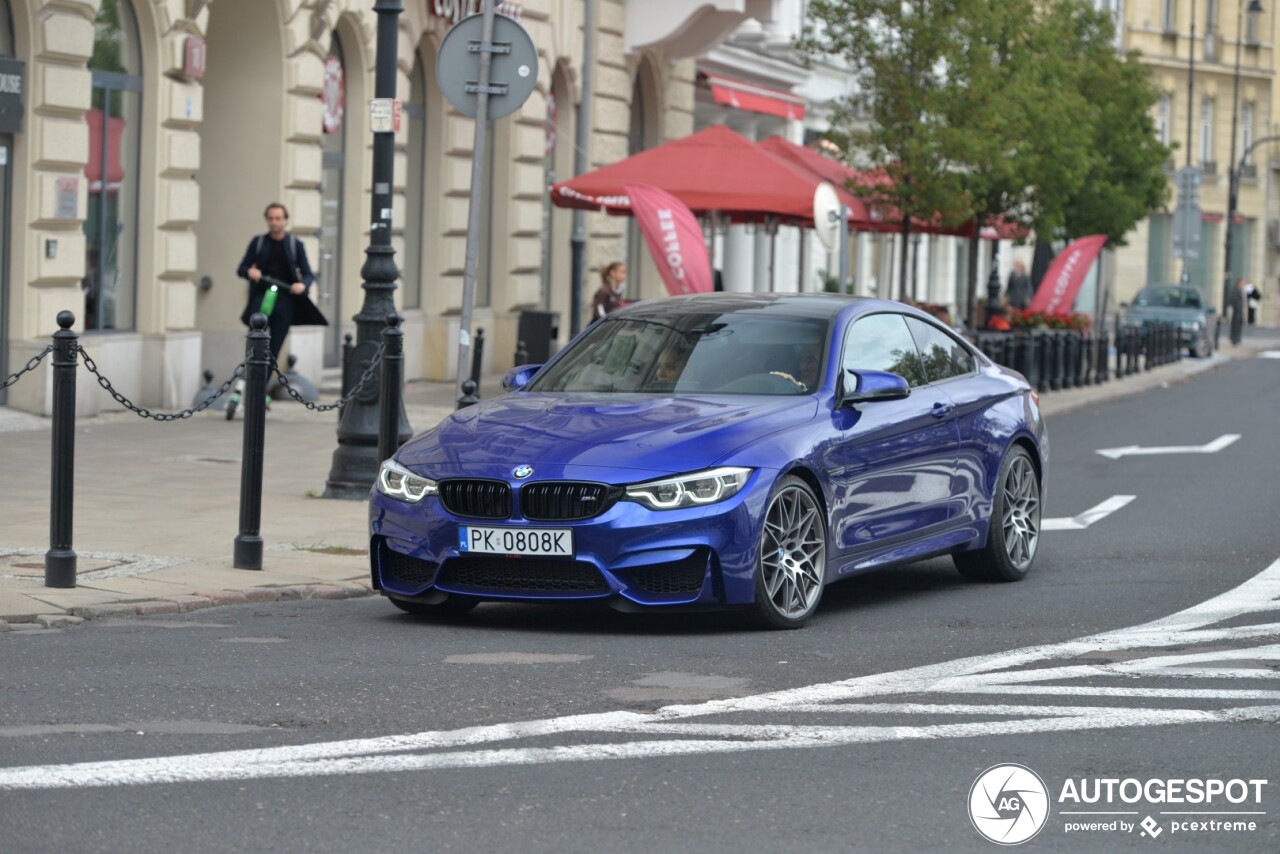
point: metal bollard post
(1104, 356)
(347, 347)
(468, 395)
(60, 560)
(522, 354)
(477, 356)
(1088, 350)
(389, 379)
(1040, 355)
(248, 546)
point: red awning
(714, 170)
(753, 98)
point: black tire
(1014, 532)
(454, 606)
(791, 559)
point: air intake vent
(524, 575)
(479, 499)
(402, 571)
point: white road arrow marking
(1136, 451)
(1088, 517)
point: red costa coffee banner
(1061, 282)
(674, 238)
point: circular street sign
(333, 95)
(458, 67)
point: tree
(1019, 109)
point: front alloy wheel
(791, 566)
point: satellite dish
(826, 215)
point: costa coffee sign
(454, 11)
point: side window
(881, 342)
(943, 355)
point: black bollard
(347, 347)
(391, 373)
(468, 395)
(477, 356)
(248, 546)
(60, 560)
(522, 354)
(1104, 357)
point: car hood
(559, 433)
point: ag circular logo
(521, 472)
(1008, 804)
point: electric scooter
(268, 303)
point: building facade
(1198, 121)
(140, 141)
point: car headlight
(1190, 325)
(396, 481)
(689, 490)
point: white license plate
(515, 541)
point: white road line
(1088, 517)
(991, 675)
(1269, 354)
(1223, 441)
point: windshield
(735, 352)
(1169, 298)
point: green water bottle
(269, 300)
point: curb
(197, 601)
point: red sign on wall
(193, 51)
(333, 94)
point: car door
(891, 467)
(952, 368)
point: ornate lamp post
(355, 462)
(1233, 169)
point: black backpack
(290, 254)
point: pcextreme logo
(1008, 804)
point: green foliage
(978, 108)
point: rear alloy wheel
(452, 607)
(792, 562)
(1014, 532)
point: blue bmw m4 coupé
(719, 450)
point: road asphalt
(156, 504)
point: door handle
(942, 410)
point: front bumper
(704, 555)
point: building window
(114, 118)
(1206, 133)
(635, 144)
(1210, 17)
(1169, 15)
(1159, 239)
(1164, 117)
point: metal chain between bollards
(142, 411)
(368, 375)
(31, 365)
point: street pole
(480, 139)
(1233, 171)
(355, 462)
(1191, 98)
(582, 137)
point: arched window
(114, 118)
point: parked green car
(1179, 304)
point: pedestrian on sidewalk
(281, 256)
(1019, 291)
(1252, 297)
(613, 281)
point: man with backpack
(280, 256)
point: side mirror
(519, 377)
(1210, 310)
(870, 386)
